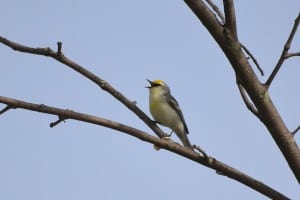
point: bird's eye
(156, 84)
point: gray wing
(175, 105)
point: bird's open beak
(151, 84)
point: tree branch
(60, 119)
(296, 130)
(292, 55)
(258, 93)
(284, 54)
(69, 114)
(230, 19)
(165, 144)
(4, 110)
(100, 82)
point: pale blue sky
(125, 42)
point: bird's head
(158, 87)
(156, 83)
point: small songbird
(166, 111)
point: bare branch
(69, 114)
(60, 119)
(292, 55)
(5, 109)
(59, 47)
(217, 10)
(100, 82)
(162, 143)
(230, 19)
(253, 59)
(258, 93)
(284, 54)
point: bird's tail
(185, 140)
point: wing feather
(176, 107)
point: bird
(166, 111)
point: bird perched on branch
(166, 111)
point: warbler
(165, 110)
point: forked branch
(257, 92)
(285, 52)
(59, 56)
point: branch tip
(295, 131)
(59, 47)
(285, 52)
(60, 119)
(5, 109)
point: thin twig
(284, 54)
(217, 10)
(60, 119)
(292, 55)
(5, 109)
(162, 143)
(295, 131)
(253, 59)
(59, 47)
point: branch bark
(257, 91)
(209, 162)
(230, 19)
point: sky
(124, 43)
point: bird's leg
(200, 150)
(168, 137)
(170, 133)
(154, 121)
